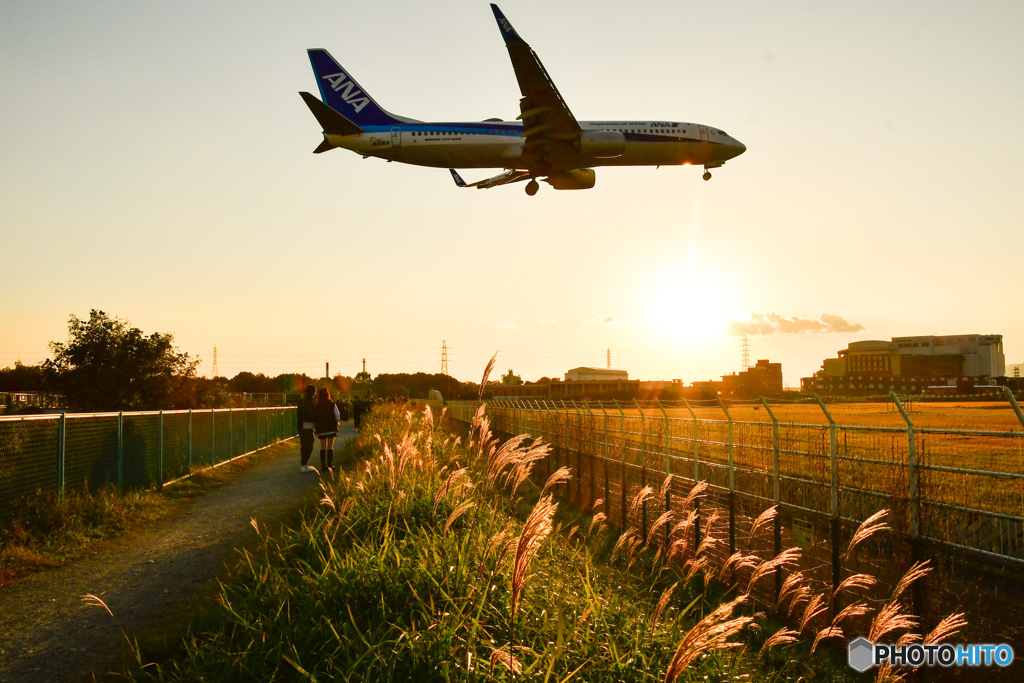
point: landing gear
(532, 187)
(707, 175)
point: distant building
(582, 382)
(511, 379)
(594, 374)
(764, 379)
(910, 364)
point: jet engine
(601, 143)
(575, 179)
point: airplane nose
(740, 147)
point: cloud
(507, 325)
(763, 324)
(603, 320)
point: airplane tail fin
(341, 92)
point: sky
(155, 163)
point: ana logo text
(347, 89)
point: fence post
(604, 456)
(579, 449)
(622, 471)
(190, 441)
(1013, 404)
(120, 450)
(696, 473)
(592, 453)
(62, 426)
(160, 452)
(915, 502)
(668, 468)
(245, 426)
(213, 436)
(834, 500)
(231, 432)
(915, 499)
(643, 464)
(777, 494)
(732, 483)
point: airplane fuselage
(500, 144)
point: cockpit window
(722, 132)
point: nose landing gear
(707, 175)
(532, 187)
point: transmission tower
(214, 362)
(746, 352)
(609, 359)
(1016, 371)
(444, 357)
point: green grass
(372, 586)
(44, 530)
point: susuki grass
(418, 566)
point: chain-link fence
(60, 452)
(955, 496)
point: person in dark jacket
(327, 418)
(306, 416)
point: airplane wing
(510, 176)
(546, 118)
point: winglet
(458, 179)
(507, 32)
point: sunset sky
(155, 163)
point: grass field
(430, 560)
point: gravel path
(144, 576)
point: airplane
(545, 141)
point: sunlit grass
(418, 566)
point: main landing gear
(532, 187)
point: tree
(106, 364)
(21, 378)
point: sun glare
(687, 304)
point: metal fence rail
(951, 493)
(67, 451)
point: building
(595, 374)
(910, 365)
(764, 379)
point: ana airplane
(545, 141)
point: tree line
(106, 364)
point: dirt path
(45, 632)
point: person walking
(306, 416)
(327, 418)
